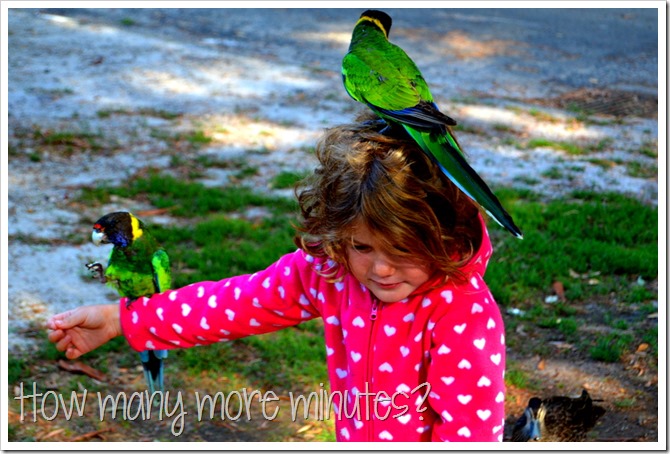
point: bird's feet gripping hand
(97, 271)
(84, 329)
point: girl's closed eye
(362, 248)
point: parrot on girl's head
(380, 75)
(137, 267)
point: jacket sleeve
(466, 370)
(202, 313)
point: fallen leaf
(77, 367)
(304, 428)
(642, 347)
(541, 365)
(558, 288)
(89, 435)
(53, 433)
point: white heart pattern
(404, 419)
(185, 309)
(386, 367)
(211, 302)
(385, 435)
(484, 414)
(484, 381)
(460, 328)
(408, 318)
(389, 330)
(135, 317)
(464, 398)
(447, 380)
(332, 320)
(177, 328)
(229, 313)
(495, 359)
(464, 432)
(480, 343)
(356, 356)
(341, 372)
(448, 296)
(404, 351)
(203, 323)
(476, 307)
(159, 312)
(358, 322)
(490, 324)
(443, 350)
(149, 346)
(464, 364)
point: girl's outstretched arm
(84, 329)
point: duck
(557, 418)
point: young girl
(392, 257)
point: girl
(391, 256)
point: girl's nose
(382, 266)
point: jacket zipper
(374, 314)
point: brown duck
(557, 418)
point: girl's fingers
(72, 353)
(64, 343)
(55, 336)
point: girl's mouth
(388, 286)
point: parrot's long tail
(152, 362)
(443, 149)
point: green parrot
(381, 75)
(137, 267)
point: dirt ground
(114, 83)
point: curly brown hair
(388, 183)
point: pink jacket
(445, 343)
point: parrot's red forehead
(97, 227)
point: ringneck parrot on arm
(381, 75)
(137, 267)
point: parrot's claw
(97, 271)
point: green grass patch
(188, 199)
(285, 180)
(569, 147)
(610, 348)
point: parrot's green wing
(390, 83)
(160, 262)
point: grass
(603, 235)
(568, 147)
(285, 180)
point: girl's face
(389, 278)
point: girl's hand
(84, 329)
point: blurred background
(202, 120)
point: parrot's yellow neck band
(374, 21)
(136, 229)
